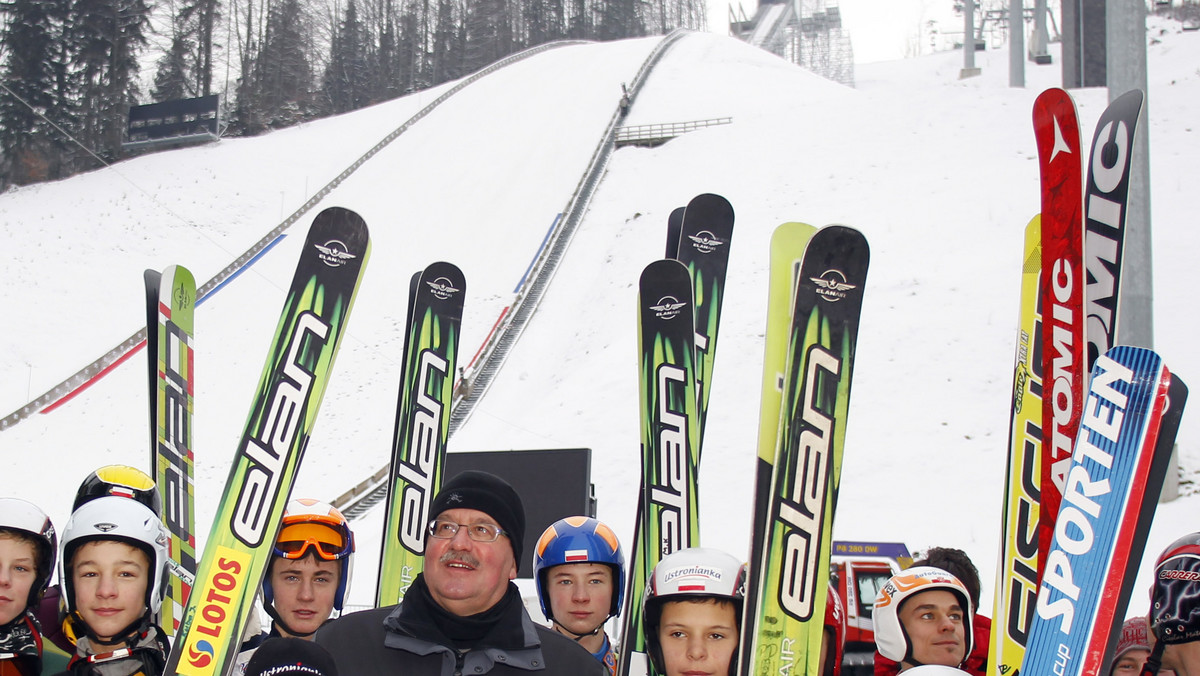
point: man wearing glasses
(463, 614)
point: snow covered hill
(940, 174)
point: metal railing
(120, 352)
(372, 490)
(661, 133)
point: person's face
(464, 576)
(304, 592)
(934, 623)
(1180, 658)
(697, 638)
(18, 569)
(580, 595)
(110, 581)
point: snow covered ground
(940, 174)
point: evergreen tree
(35, 95)
(447, 53)
(104, 38)
(283, 76)
(347, 82)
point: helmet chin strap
(579, 637)
(126, 637)
(1154, 661)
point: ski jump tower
(806, 32)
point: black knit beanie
(489, 494)
(291, 657)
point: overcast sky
(880, 30)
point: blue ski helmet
(578, 539)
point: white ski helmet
(935, 670)
(17, 515)
(890, 637)
(693, 573)
(123, 520)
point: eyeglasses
(479, 532)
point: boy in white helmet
(28, 546)
(114, 566)
(693, 612)
(922, 616)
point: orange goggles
(330, 544)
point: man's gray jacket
(400, 640)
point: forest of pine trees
(70, 69)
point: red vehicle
(857, 571)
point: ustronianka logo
(334, 253)
(832, 285)
(668, 307)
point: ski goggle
(329, 543)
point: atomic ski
(667, 382)
(174, 396)
(1056, 128)
(792, 575)
(1105, 199)
(1113, 484)
(298, 367)
(1017, 570)
(787, 251)
(422, 424)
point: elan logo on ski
(442, 288)
(832, 285)
(334, 253)
(705, 242)
(668, 307)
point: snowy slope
(940, 174)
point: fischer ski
(1113, 484)
(431, 342)
(174, 397)
(1017, 573)
(286, 402)
(792, 575)
(1105, 199)
(667, 382)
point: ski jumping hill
(940, 174)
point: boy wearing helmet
(957, 563)
(1175, 609)
(114, 566)
(692, 612)
(308, 574)
(1133, 648)
(28, 546)
(579, 572)
(922, 616)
